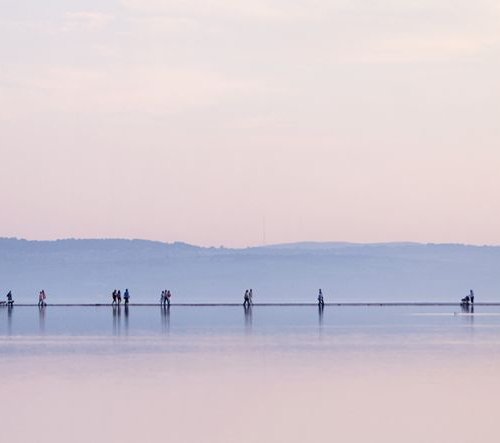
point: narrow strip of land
(354, 304)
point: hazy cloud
(85, 21)
(128, 89)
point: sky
(239, 123)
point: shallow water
(222, 374)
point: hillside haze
(88, 271)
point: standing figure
(471, 296)
(250, 295)
(162, 298)
(119, 297)
(114, 297)
(10, 302)
(41, 298)
(126, 296)
(167, 297)
(321, 300)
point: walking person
(10, 302)
(162, 298)
(126, 296)
(167, 297)
(119, 297)
(114, 297)
(250, 295)
(246, 299)
(321, 300)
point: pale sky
(332, 120)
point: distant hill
(88, 270)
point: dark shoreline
(353, 304)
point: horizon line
(268, 246)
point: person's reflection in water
(116, 320)
(165, 318)
(321, 310)
(468, 309)
(248, 317)
(470, 318)
(41, 318)
(126, 319)
(10, 308)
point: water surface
(267, 374)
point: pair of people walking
(165, 297)
(248, 298)
(41, 298)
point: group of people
(166, 294)
(248, 298)
(165, 297)
(468, 299)
(117, 297)
(10, 300)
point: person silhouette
(41, 298)
(126, 296)
(321, 300)
(10, 301)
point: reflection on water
(247, 309)
(9, 319)
(165, 318)
(387, 374)
(467, 308)
(126, 319)
(116, 320)
(285, 329)
(321, 309)
(41, 319)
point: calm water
(290, 329)
(224, 374)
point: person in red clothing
(41, 298)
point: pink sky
(333, 121)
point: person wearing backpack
(126, 296)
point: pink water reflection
(241, 397)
